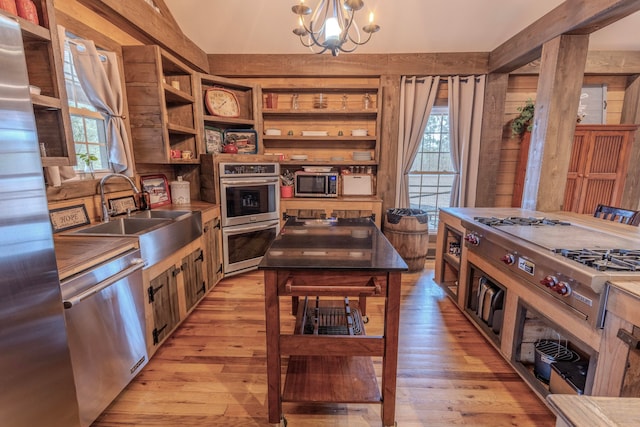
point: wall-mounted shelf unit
(325, 123)
(44, 69)
(162, 104)
(246, 94)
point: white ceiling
(407, 26)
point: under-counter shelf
(453, 260)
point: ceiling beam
(138, 19)
(571, 17)
(247, 65)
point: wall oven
(244, 245)
(250, 205)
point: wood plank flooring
(212, 371)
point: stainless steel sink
(124, 226)
(161, 214)
(158, 236)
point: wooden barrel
(408, 232)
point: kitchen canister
(180, 192)
(9, 6)
(27, 9)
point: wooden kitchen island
(324, 261)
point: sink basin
(160, 214)
(158, 236)
(124, 226)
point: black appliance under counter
(341, 244)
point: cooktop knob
(472, 238)
(562, 288)
(508, 259)
(549, 281)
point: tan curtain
(100, 78)
(466, 100)
(417, 96)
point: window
(431, 176)
(87, 124)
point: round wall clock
(222, 102)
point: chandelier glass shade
(332, 26)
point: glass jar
(366, 101)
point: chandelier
(332, 26)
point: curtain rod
(463, 80)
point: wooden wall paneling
(631, 115)
(491, 138)
(557, 98)
(598, 62)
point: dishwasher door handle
(136, 264)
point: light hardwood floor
(212, 371)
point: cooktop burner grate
(517, 220)
(605, 259)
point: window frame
(438, 174)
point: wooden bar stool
(612, 213)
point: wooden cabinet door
(597, 168)
(213, 251)
(163, 297)
(194, 284)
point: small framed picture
(245, 139)
(68, 217)
(120, 205)
(158, 189)
(213, 139)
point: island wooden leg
(390, 359)
(272, 323)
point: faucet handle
(144, 200)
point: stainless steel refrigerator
(36, 378)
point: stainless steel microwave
(316, 184)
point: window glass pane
(88, 127)
(432, 175)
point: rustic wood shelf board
(333, 379)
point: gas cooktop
(596, 249)
(605, 260)
(518, 220)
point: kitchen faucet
(105, 211)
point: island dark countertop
(343, 244)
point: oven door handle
(249, 182)
(245, 229)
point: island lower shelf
(330, 378)
(345, 379)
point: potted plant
(286, 179)
(524, 121)
(88, 159)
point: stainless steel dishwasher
(104, 313)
